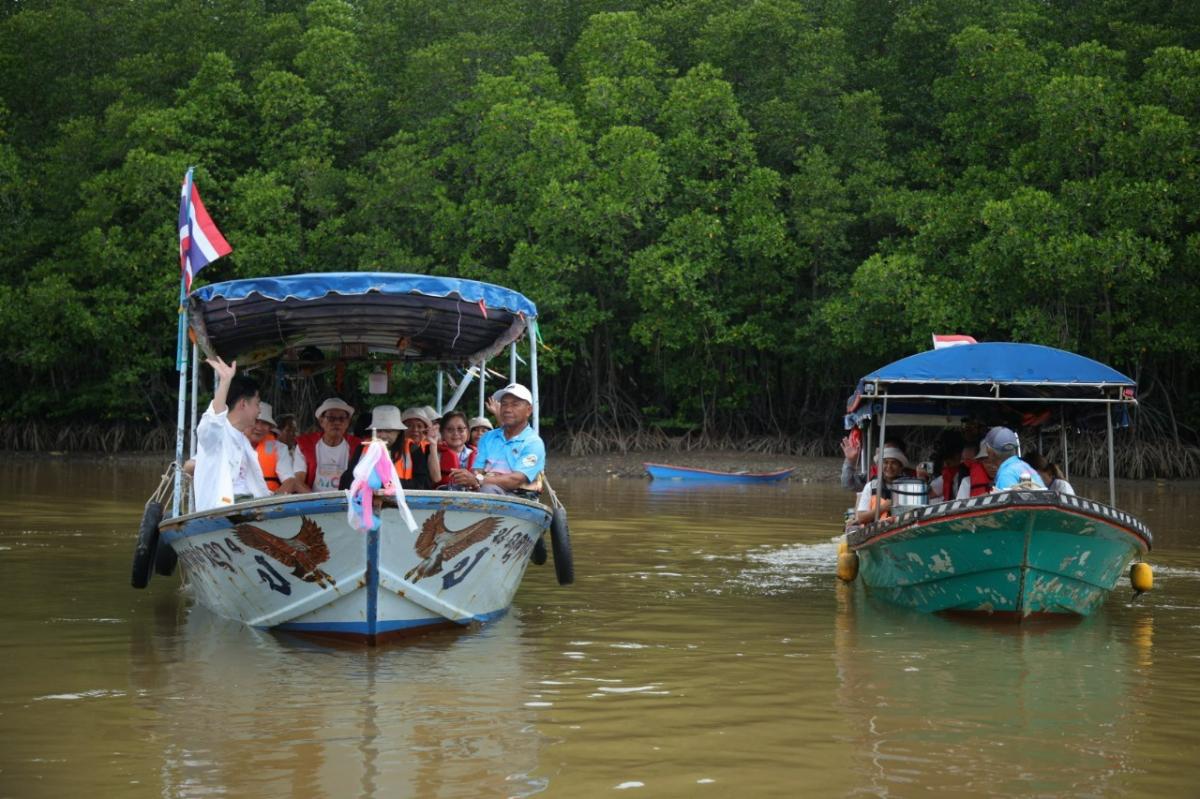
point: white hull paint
(295, 563)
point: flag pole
(181, 354)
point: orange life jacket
(267, 459)
(404, 464)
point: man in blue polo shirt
(511, 458)
(1002, 447)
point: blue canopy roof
(414, 317)
(1001, 363)
(937, 382)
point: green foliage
(724, 211)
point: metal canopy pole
(1112, 467)
(441, 375)
(879, 458)
(1066, 459)
(482, 387)
(512, 362)
(195, 385)
(533, 376)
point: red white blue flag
(200, 243)
(941, 342)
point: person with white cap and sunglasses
(510, 459)
(327, 451)
(894, 464)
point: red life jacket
(981, 483)
(307, 444)
(948, 476)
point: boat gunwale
(875, 532)
(281, 501)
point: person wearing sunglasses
(327, 451)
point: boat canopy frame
(941, 384)
(360, 316)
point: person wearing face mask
(894, 464)
(454, 452)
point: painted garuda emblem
(436, 543)
(304, 553)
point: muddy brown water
(706, 650)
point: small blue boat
(1017, 552)
(662, 471)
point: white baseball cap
(517, 390)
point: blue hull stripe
(364, 628)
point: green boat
(1011, 553)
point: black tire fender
(165, 558)
(147, 545)
(560, 542)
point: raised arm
(224, 372)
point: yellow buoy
(1141, 577)
(847, 568)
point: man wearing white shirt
(227, 469)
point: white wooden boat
(295, 562)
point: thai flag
(941, 342)
(200, 243)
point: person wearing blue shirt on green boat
(1002, 454)
(512, 457)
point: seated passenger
(418, 462)
(894, 464)
(853, 479)
(327, 451)
(479, 425)
(1051, 475)
(274, 457)
(226, 468)
(387, 426)
(453, 451)
(1011, 472)
(975, 477)
(510, 459)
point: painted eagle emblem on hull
(304, 553)
(436, 543)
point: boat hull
(295, 563)
(662, 471)
(1012, 553)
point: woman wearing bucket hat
(479, 425)
(894, 464)
(388, 427)
(327, 451)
